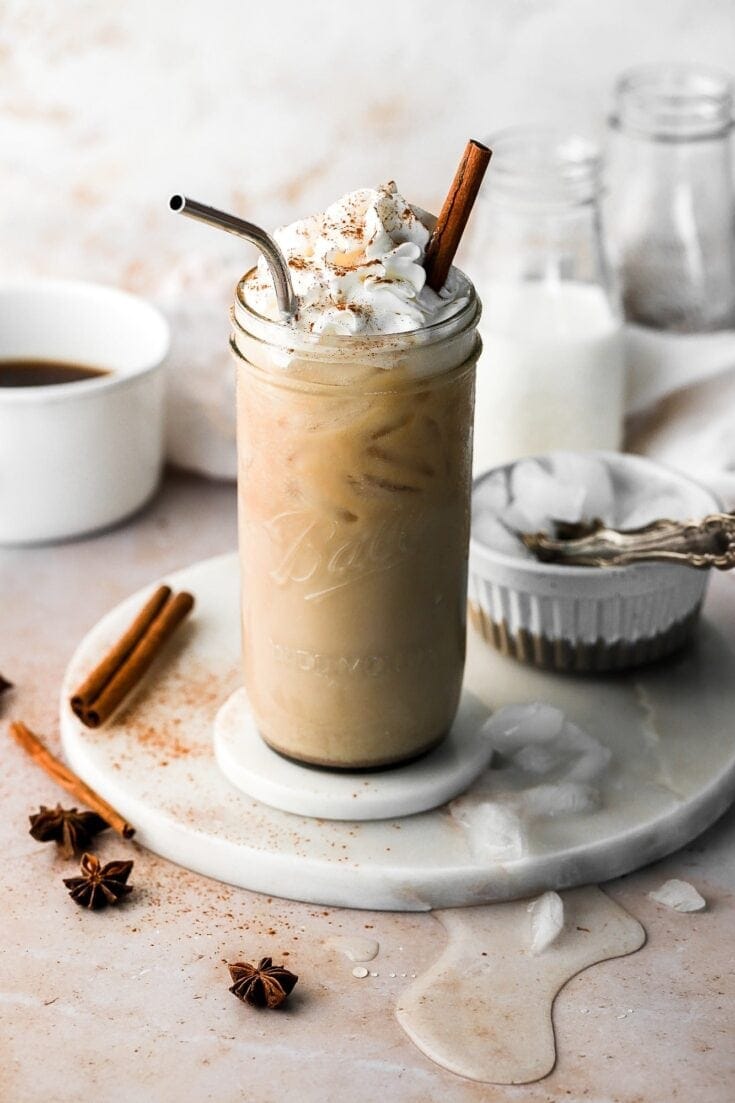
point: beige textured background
(273, 110)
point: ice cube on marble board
(540, 739)
(494, 830)
(535, 758)
(593, 756)
(547, 921)
(559, 798)
(590, 765)
(513, 726)
(590, 761)
(679, 895)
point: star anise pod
(99, 885)
(266, 986)
(72, 831)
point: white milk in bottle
(552, 372)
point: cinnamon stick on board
(102, 673)
(444, 241)
(68, 780)
(126, 663)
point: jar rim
(379, 383)
(674, 102)
(282, 333)
(543, 166)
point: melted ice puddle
(483, 1010)
(356, 948)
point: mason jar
(354, 468)
(671, 205)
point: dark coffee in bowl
(44, 373)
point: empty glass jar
(670, 205)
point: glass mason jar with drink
(355, 443)
(354, 490)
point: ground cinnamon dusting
(299, 263)
(159, 730)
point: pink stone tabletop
(132, 1004)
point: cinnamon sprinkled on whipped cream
(358, 268)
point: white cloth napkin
(681, 403)
(200, 383)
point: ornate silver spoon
(701, 544)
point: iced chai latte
(355, 447)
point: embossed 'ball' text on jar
(354, 502)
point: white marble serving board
(672, 772)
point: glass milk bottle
(553, 371)
(670, 206)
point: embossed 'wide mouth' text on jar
(354, 501)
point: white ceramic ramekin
(77, 457)
(590, 618)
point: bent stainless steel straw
(259, 238)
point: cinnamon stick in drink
(444, 241)
(126, 663)
(68, 780)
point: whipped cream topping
(357, 268)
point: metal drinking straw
(276, 261)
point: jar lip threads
(543, 166)
(674, 102)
